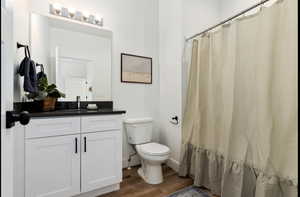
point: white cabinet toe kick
(72, 156)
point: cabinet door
(101, 159)
(52, 166)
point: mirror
(76, 56)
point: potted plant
(47, 95)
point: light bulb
(99, 20)
(57, 8)
(85, 15)
(72, 12)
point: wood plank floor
(134, 186)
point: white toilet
(139, 134)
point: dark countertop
(75, 112)
(68, 108)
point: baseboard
(174, 164)
(101, 191)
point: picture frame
(136, 69)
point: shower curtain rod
(228, 19)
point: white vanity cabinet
(73, 156)
(52, 167)
(100, 160)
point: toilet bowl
(152, 156)
(139, 134)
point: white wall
(178, 19)
(199, 15)
(20, 34)
(170, 51)
(40, 34)
(134, 24)
(232, 7)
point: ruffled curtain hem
(230, 178)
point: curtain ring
(261, 6)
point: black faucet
(78, 102)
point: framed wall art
(136, 69)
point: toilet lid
(154, 149)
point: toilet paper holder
(174, 120)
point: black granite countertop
(75, 112)
(68, 109)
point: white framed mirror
(77, 57)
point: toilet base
(151, 174)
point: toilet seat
(154, 149)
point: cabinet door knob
(12, 117)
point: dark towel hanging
(28, 70)
(41, 74)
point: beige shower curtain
(240, 126)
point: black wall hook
(21, 45)
(26, 50)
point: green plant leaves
(42, 83)
(45, 90)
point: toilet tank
(139, 130)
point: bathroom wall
(232, 7)
(199, 15)
(21, 34)
(135, 30)
(40, 34)
(178, 19)
(170, 51)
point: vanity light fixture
(72, 13)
